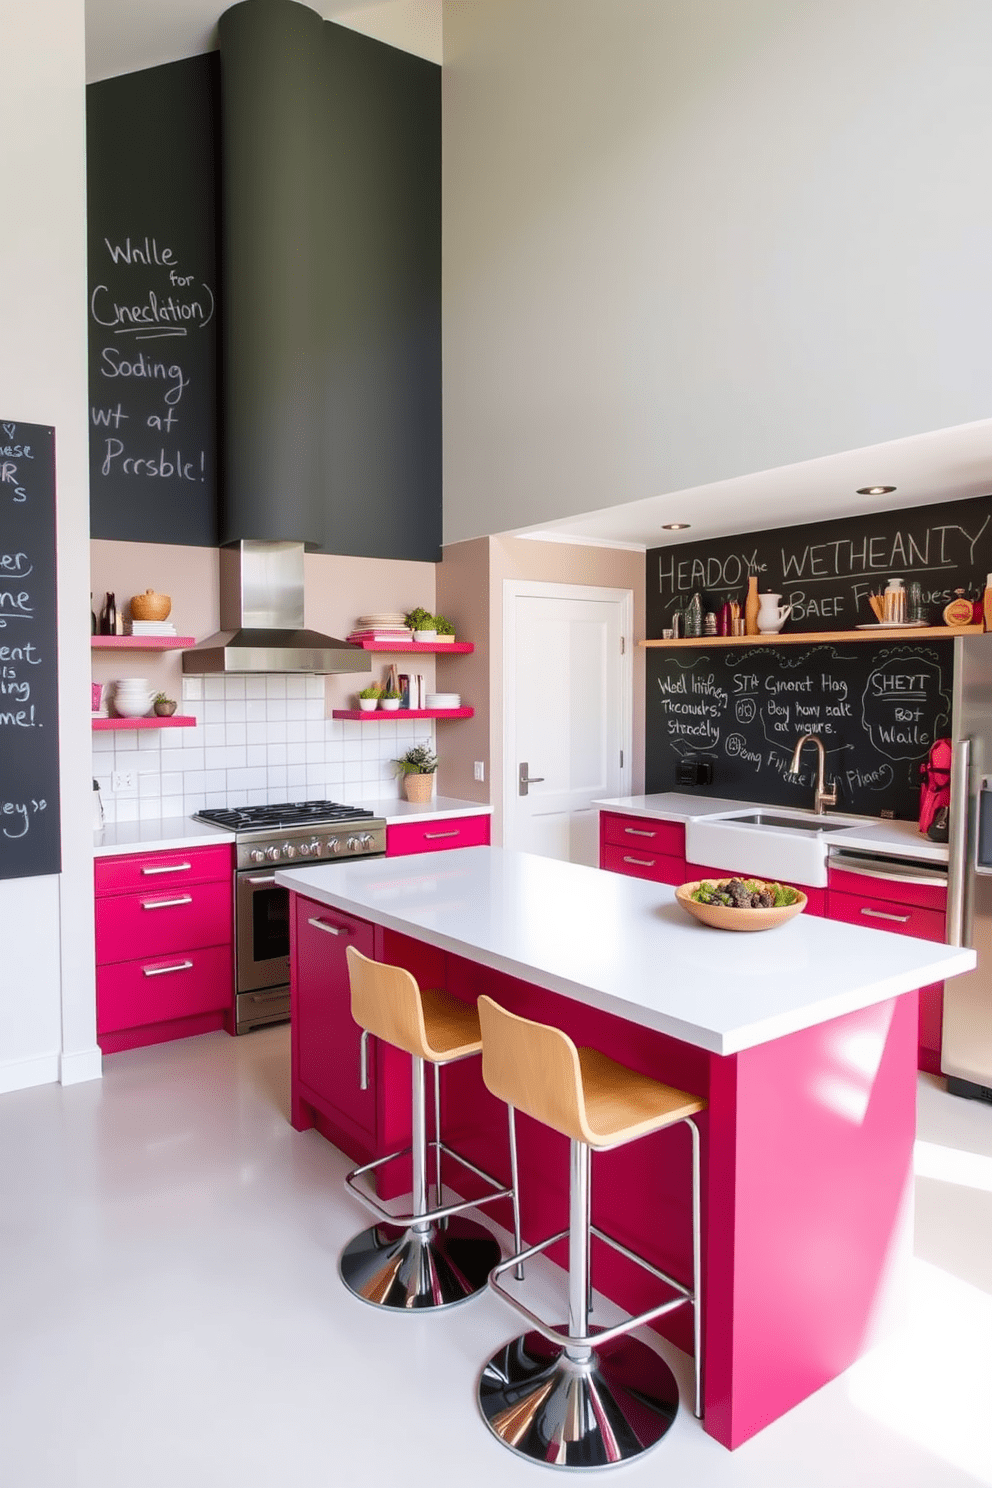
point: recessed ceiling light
(675, 526)
(875, 490)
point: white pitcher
(771, 615)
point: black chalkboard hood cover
(261, 616)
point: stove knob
(354, 845)
(304, 849)
(315, 847)
(288, 850)
(257, 855)
(335, 845)
(367, 841)
(272, 854)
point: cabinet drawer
(158, 989)
(642, 831)
(637, 863)
(162, 869)
(435, 836)
(882, 914)
(895, 890)
(179, 917)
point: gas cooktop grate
(288, 814)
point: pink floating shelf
(142, 643)
(461, 648)
(178, 720)
(380, 715)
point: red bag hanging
(935, 790)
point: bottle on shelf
(987, 603)
(93, 626)
(752, 605)
(108, 616)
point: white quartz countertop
(624, 945)
(441, 808)
(871, 833)
(159, 833)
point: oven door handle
(331, 929)
(262, 878)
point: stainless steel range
(271, 837)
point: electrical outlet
(480, 770)
(124, 782)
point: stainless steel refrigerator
(966, 1056)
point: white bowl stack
(443, 700)
(133, 697)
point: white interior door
(567, 715)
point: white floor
(170, 1312)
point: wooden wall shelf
(178, 720)
(141, 643)
(818, 637)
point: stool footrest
(604, 1335)
(353, 1181)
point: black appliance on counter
(268, 838)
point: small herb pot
(368, 705)
(418, 787)
(390, 705)
(165, 710)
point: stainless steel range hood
(261, 616)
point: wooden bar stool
(426, 1258)
(573, 1396)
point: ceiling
(127, 35)
(946, 465)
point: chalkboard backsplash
(826, 570)
(877, 708)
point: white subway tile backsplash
(246, 750)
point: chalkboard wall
(825, 570)
(878, 705)
(29, 726)
(153, 316)
(877, 708)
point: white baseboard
(21, 1074)
(80, 1065)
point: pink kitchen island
(801, 1039)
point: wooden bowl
(721, 918)
(150, 606)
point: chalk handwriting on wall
(29, 785)
(826, 570)
(877, 710)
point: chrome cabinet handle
(166, 903)
(164, 970)
(639, 832)
(878, 914)
(640, 862)
(363, 1060)
(172, 868)
(330, 929)
(433, 836)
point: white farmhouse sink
(765, 843)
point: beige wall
(685, 241)
(471, 580)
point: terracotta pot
(418, 787)
(150, 606)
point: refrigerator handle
(957, 875)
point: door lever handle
(524, 780)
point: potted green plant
(164, 706)
(445, 629)
(368, 698)
(390, 701)
(417, 768)
(423, 624)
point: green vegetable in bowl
(745, 893)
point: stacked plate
(443, 700)
(382, 620)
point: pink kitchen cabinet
(164, 946)
(432, 835)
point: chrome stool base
(410, 1270)
(600, 1413)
